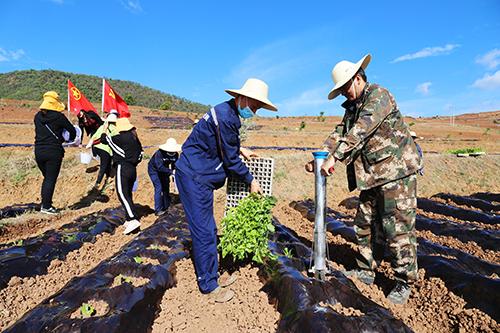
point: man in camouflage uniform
(382, 161)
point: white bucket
(85, 158)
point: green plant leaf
(138, 260)
(87, 310)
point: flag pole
(67, 88)
(102, 104)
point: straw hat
(51, 102)
(123, 124)
(170, 146)
(256, 89)
(344, 71)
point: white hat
(170, 146)
(111, 118)
(255, 89)
(113, 111)
(344, 71)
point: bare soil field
(468, 245)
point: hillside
(31, 84)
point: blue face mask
(245, 112)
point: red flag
(77, 100)
(111, 100)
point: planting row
(170, 122)
(123, 293)
(462, 273)
(456, 212)
(484, 205)
(310, 305)
(32, 256)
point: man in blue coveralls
(209, 155)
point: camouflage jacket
(373, 141)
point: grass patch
(466, 151)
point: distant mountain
(32, 84)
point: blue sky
(436, 57)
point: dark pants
(104, 166)
(49, 164)
(161, 182)
(198, 200)
(125, 177)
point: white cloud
(488, 82)
(133, 6)
(490, 60)
(6, 55)
(428, 52)
(423, 88)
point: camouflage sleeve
(332, 140)
(375, 110)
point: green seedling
(466, 151)
(87, 310)
(246, 229)
(19, 242)
(287, 252)
(154, 247)
(69, 238)
(138, 260)
(122, 279)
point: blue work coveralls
(208, 156)
(160, 168)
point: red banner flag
(77, 100)
(111, 100)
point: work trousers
(161, 183)
(198, 200)
(104, 164)
(49, 163)
(126, 174)
(387, 213)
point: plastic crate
(262, 169)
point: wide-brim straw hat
(344, 71)
(51, 102)
(123, 124)
(255, 89)
(170, 146)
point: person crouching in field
(103, 150)
(160, 167)
(127, 153)
(210, 154)
(50, 123)
(382, 161)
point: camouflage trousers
(386, 217)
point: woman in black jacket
(89, 122)
(127, 153)
(49, 152)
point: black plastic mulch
(463, 274)
(456, 212)
(33, 256)
(304, 302)
(131, 309)
(15, 210)
(484, 205)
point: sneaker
(51, 211)
(367, 277)
(400, 293)
(131, 226)
(219, 295)
(226, 281)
